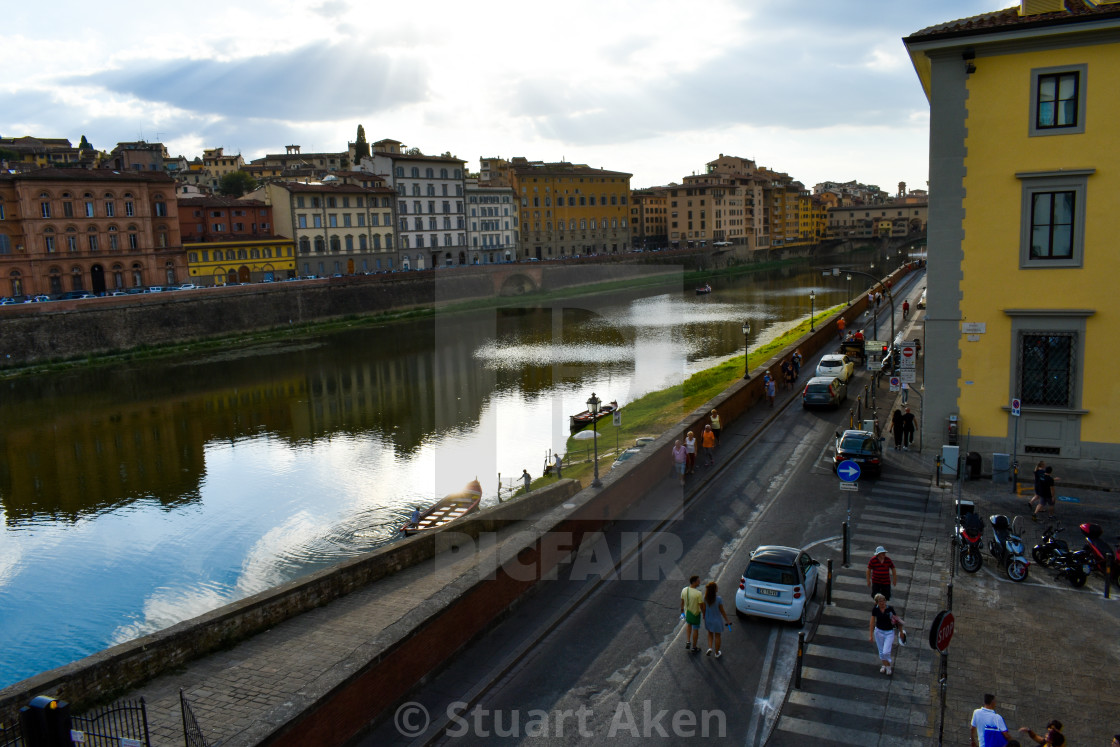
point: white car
(778, 583)
(838, 365)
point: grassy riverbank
(656, 412)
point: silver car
(778, 583)
(824, 391)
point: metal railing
(192, 732)
(106, 727)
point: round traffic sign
(907, 352)
(848, 470)
(941, 631)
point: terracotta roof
(562, 167)
(94, 175)
(333, 187)
(1077, 11)
(220, 202)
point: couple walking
(706, 606)
(903, 427)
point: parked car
(824, 391)
(840, 366)
(187, 286)
(862, 447)
(155, 289)
(70, 295)
(778, 583)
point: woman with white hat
(881, 574)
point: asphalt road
(597, 654)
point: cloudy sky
(820, 89)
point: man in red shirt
(881, 574)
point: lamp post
(849, 289)
(593, 406)
(886, 290)
(746, 350)
(812, 310)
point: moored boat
(704, 289)
(447, 509)
(586, 418)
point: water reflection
(148, 493)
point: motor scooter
(1074, 567)
(970, 532)
(1007, 548)
(1101, 556)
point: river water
(137, 496)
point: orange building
(89, 230)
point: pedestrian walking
(715, 618)
(1116, 740)
(909, 426)
(878, 300)
(988, 727)
(558, 462)
(787, 374)
(905, 392)
(708, 441)
(680, 457)
(905, 310)
(1052, 736)
(896, 429)
(690, 453)
(840, 325)
(691, 597)
(526, 479)
(1045, 490)
(768, 383)
(713, 418)
(1039, 471)
(880, 631)
(796, 360)
(881, 573)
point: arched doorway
(349, 267)
(97, 279)
(462, 258)
(405, 263)
(232, 278)
(243, 274)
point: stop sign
(941, 631)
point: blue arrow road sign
(848, 470)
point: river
(142, 494)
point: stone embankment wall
(61, 330)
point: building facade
(232, 241)
(649, 218)
(491, 223)
(91, 230)
(1022, 229)
(431, 206)
(338, 228)
(570, 209)
(893, 219)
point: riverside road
(586, 659)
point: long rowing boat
(447, 509)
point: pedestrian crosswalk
(843, 699)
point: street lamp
(871, 308)
(812, 311)
(593, 406)
(746, 350)
(849, 289)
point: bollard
(937, 461)
(1108, 580)
(866, 390)
(851, 418)
(859, 410)
(847, 556)
(949, 596)
(828, 585)
(800, 656)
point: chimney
(1037, 7)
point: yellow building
(1021, 285)
(571, 209)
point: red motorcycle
(1100, 555)
(970, 532)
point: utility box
(952, 430)
(869, 426)
(1001, 467)
(950, 457)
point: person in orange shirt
(840, 324)
(708, 440)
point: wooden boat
(703, 289)
(585, 418)
(446, 510)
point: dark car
(778, 583)
(862, 447)
(824, 391)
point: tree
(236, 183)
